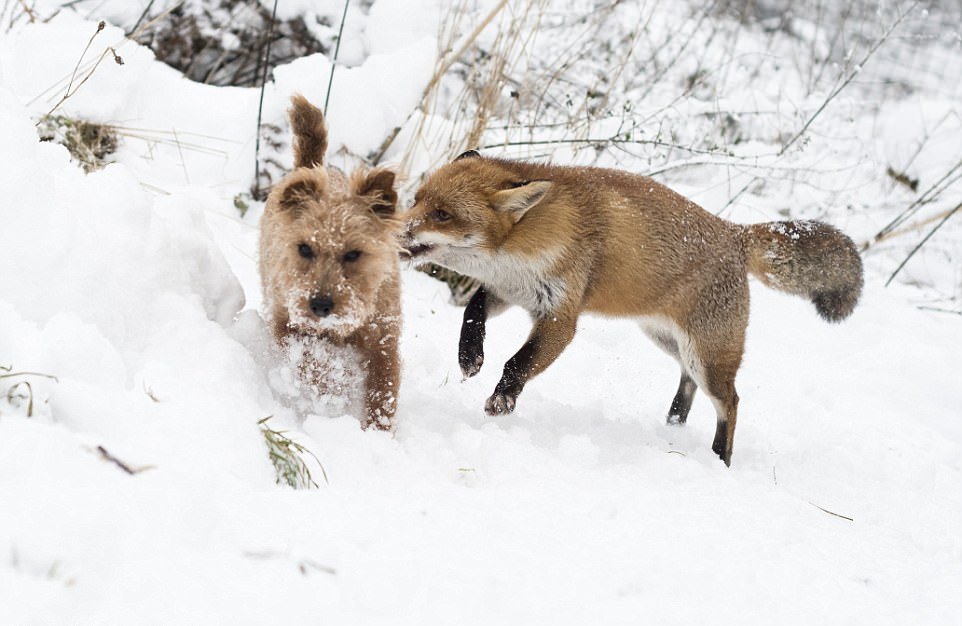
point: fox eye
(437, 215)
(352, 256)
(305, 251)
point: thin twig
(442, 68)
(67, 93)
(930, 194)
(906, 229)
(117, 45)
(28, 11)
(337, 50)
(12, 374)
(922, 243)
(613, 141)
(848, 79)
(141, 18)
(13, 389)
(260, 106)
(939, 310)
(126, 468)
(832, 512)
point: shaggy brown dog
(329, 265)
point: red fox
(559, 241)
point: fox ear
(378, 186)
(470, 154)
(517, 200)
(310, 135)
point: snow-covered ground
(136, 287)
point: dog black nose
(321, 306)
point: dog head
(328, 240)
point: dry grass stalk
(287, 457)
(89, 143)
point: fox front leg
(471, 344)
(549, 337)
(482, 305)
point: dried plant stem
(905, 229)
(140, 19)
(116, 46)
(441, 69)
(285, 454)
(12, 374)
(107, 456)
(13, 390)
(73, 76)
(256, 191)
(848, 79)
(29, 11)
(337, 50)
(918, 246)
(71, 90)
(832, 512)
(609, 141)
(930, 194)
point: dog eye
(437, 215)
(305, 251)
(352, 256)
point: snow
(136, 287)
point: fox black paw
(499, 404)
(470, 365)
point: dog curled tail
(310, 133)
(809, 259)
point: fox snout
(414, 250)
(411, 246)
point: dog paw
(470, 366)
(377, 420)
(499, 404)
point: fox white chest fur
(531, 284)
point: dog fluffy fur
(329, 263)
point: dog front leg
(383, 379)
(549, 337)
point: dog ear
(521, 197)
(303, 185)
(378, 186)
(310, 135)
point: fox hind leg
(716, 377)
(681, 404)
(725, 398)
(716, 326)
(665, 336)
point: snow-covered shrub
(225, 42)
(89, 143)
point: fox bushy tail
(809, 259)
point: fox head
(328, 240)
(468, 208)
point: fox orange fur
(329, 263)
(560, 241)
